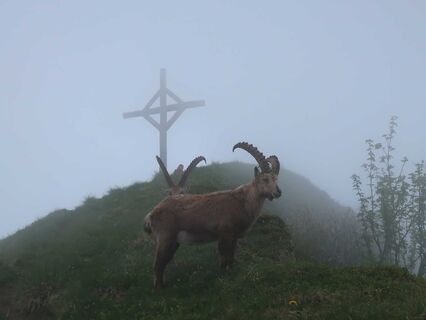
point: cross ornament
(178, 107)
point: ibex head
(266, 175)
(180, 187)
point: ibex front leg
(166, 248)
(226, 246)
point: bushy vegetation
(392, 207)
(94, 262)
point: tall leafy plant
(385, 202)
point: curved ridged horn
(260, 158)
(275, 164)
(188, 170)
(165, 172)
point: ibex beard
(223, 216)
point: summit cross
(178, 107)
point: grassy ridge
(93, 262)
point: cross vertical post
(177, 108)
(163, 116)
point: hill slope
(93, 262)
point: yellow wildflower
(292, 303)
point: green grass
(94, 262)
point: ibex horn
(165, 172)
(188, 170)
(275, 164)
(260, 158)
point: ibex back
(224, 216)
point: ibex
(180, 187)
(224, 216)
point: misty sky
(306, 80)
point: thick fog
(306, 80)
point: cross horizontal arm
(134, 114)
(170, 107)
(176, 107)
(141, 113)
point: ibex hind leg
(166, 248)
(226, 246)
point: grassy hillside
(94, 262)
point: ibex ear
(256, 171)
